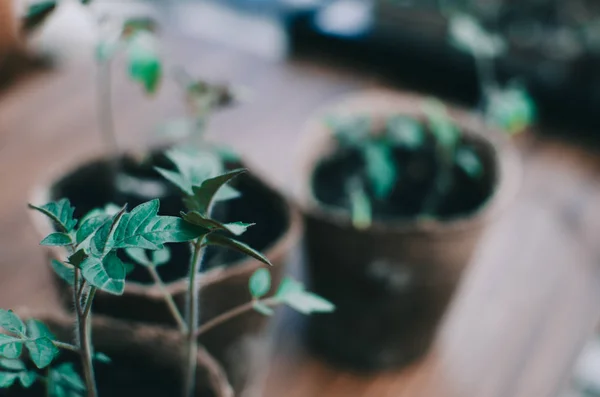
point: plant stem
(66, 346)
(105, 113)
(85, 340)
(228, 315)
(192, 319)
(168, 299)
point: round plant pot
(392, 282)
(224, 282)
(145, 360)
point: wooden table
(527, 304)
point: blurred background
(530, 303)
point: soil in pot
(392, 282)
(93, 186)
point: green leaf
(360, 206)
(161, 257)
(103, 358)
(468, 35)
(227, 242)
(144, 60)
(139, 256)
(442, 127)
(350, 131)
(196, 218)
(101, 241)
(237, 228)
(293, 294)
(262, 308)
(65, 381)
(90, 225)
(41, 351)
(142, 228)
(36, 329)
(27, 378)
(10, 347)
(7, 379)
(57, 239)
(260, 283)
(11, 322)
(60, 212)
(12, 364)
(406, 132)
(63, 271)
(193, 167)
(37, 13)
(107, 274)
(510, 108)
(469, 161)
(381, 167)
(205, 193)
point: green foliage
(63, 271)
(196, 218)
(227, 242)
(262, 308)
(57, 239)
(64, 381)
(467, 159)
(103, 358)
(511, 108)
(442, 127)
(381, 167)
(106, 273)
(35, 336)
(61, 213)
(140, 256)
(360, 205)
(293, 294)
(10, 346)
(144, 60)
(11, 322)
(260, 283)
(206, 193)
(41, 351)
(405, 132)
(12, 370)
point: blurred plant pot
(146, 360)
(224, 284)
(393, 281)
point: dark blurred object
(553, 50)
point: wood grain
(530, 298)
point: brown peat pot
(224, 284)
(146, 360)
(393, 281)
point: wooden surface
(526, 306)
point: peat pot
(224, 283)
(391, 282)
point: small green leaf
(292, 293)
(27, 378)
(37, 13)
(262, 308)
(196, 218)
(237, 228)
(60, 212)
(144, 60)
(406, 132)
(227, 242)
(12, 364)
(205, 193)
(36, 329)
(7, 379)
(381, 167)
(41, 351)
(193, 167)
(161, 257)
(107, 274)
(139, 256)
(469, 161)
(90, 225)
(10, 347)
(63, 271)
(360, 206)
(103, 358)
(260, 283)
(65, 381)
(57, 239)
(11, 322)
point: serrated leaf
(7, 379)
(293, 294)
(103, 358)
(139, 256)
(260, 283)
(143, 228)
(406, 132)
(196, 218)
(60, 212)
(11, 322)
(381, 167)
(262, 308)
(36, 329)
(227, 242)
(144, 60)
(12, 364)
(57, 239)
(205, 193)
(193, 167)
(89, 225)
(41, 351)
(469, 162)
(37, 13)
(107, 274)
(10, 347)
(161, 257)
(101, 241)
(27, 378)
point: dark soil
(417, 171)
(93, 186)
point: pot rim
(275, 252)
(317, 143)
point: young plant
(376, 141)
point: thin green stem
(192, 319)
(85, 340)
(66, 346)
(236, 311)
(168, 299)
